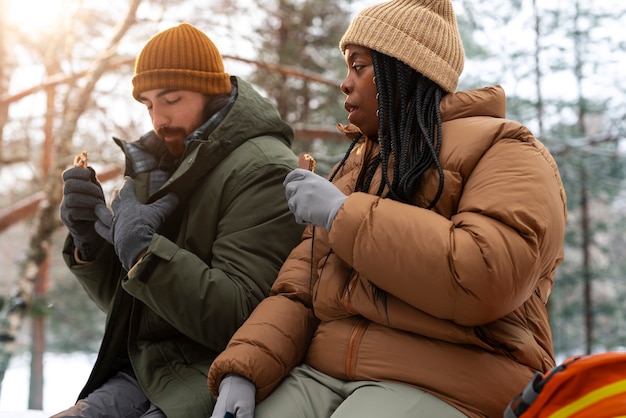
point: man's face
(175, 114)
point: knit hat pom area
(181, 58)
(421, 33)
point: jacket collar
(487, 101)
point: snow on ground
(64, 377)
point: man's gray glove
(81, 194)
(312, 199)
(236, 398)
(131, 225)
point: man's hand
(81, 194)
(312, 199)
(131, 224)
(236, 398)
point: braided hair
(409, 129)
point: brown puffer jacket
(466, 283)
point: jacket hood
(486, 101)
(250, 116)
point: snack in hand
(306, 161)
(81, 160)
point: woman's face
(360, 89)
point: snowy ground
(64, 377)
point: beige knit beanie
(181, 57)
(421, 33)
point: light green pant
(307, 393)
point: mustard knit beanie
(421, 33)
(181, 57)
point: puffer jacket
(210, 264)
(466, 282)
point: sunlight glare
(35, 15)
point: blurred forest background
(65, 71)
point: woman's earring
(374, 80)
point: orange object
(580, 387)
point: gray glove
(236, 398)
(312, 199)
(131, 225)
(81, 194)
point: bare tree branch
(47, 218)
(116, 62)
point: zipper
(353, 343)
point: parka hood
(250, 116)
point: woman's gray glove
(312, 199)
(81, 194)
(236, 398)
(131, 225)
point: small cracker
(81, 160)
(306, 161)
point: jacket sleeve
(480, 264)
(98, 277)
(275, 338)
(207, 300)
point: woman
(419, 289)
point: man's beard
(176, 147)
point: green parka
(212, 262)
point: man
(194, 238)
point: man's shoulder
(261, 152)
(262, 146)
(274, 146)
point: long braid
(409, 127)
(345, 157)
(404, 122)
(386, 106)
